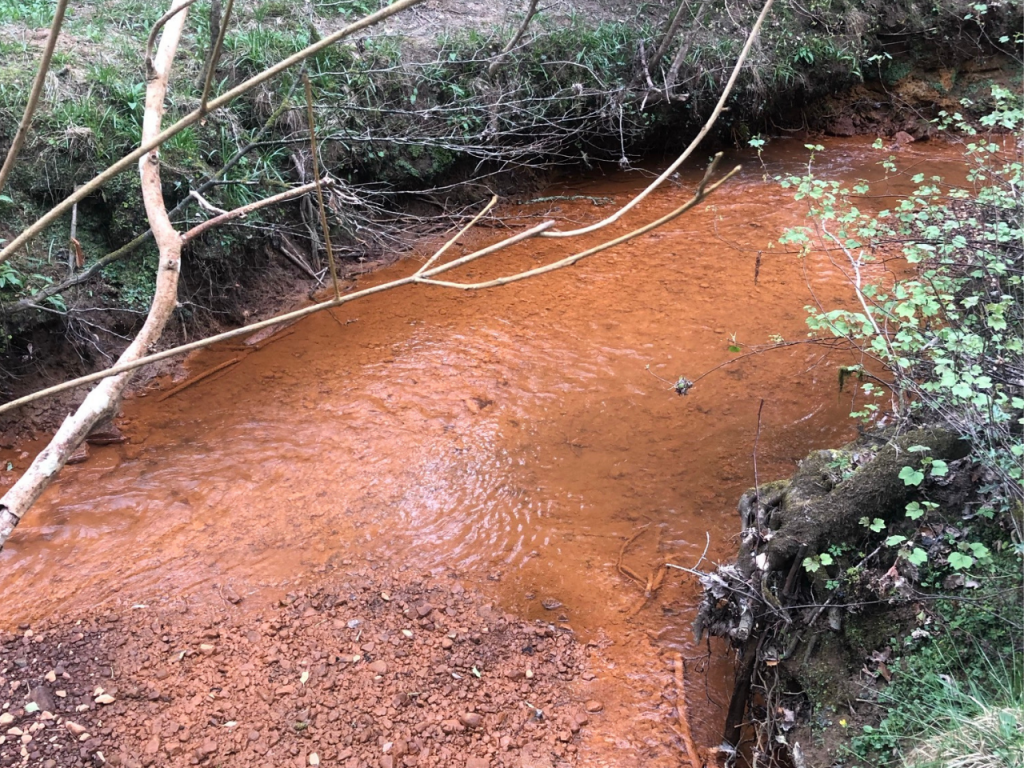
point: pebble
(74, 728)
(345, 716)
(593, 706)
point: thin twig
(625, 570)
(319, 192)
(245, 210)
(214, 56)
(455, 239)
(570, 260)
(196, 379)
(681, 714)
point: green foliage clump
(944, 342)
(936, 318)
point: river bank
(362, 667)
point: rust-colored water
(515, 437)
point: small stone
(446, 643)
(471, 719)
(452, 726)
(593, 706)
(551, 604)
(6, 718)
(378, 667)
(105, 698)
(314, 758)
(41, 696)
(74, 728)
(207, 649)
(51, 676)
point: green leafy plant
(944, 340)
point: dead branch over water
(102, 401)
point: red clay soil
(362, 670)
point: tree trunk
(102, 402)
(812, 513)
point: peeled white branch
(103, 401)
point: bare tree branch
(192, 118)
(37, 89)
(211, 65)
(32, 302)
(102, 402)
(668, 37)
(531, 11)
(245, 210)
(693, 144)
(311, 118)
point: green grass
(957, 694)
(34, 13)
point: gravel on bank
(361, 671)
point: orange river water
(515, 437)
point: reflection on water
(517, 437)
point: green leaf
(825, 558)
(939, 468)
(959, 562)
(914, 511)
(980, 550)
(811, 564)
(911, 476)
(918, 556)
(734, 348)
(894, 541)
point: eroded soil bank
(512, 440)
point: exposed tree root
(765, 603)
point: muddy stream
(514, 438)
